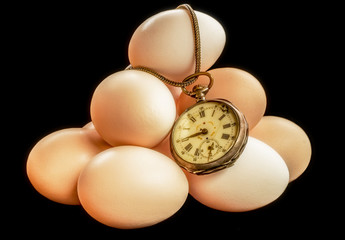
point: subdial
(209, 148)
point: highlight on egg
(237, 86)
(257, 178)
(89, 125)
(55, 162)
(132, 107)
(288, 139)
(132, 187)
(165, 43)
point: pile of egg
(119, 166)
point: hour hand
(202, 132)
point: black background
(57, 53)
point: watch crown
(199, 92)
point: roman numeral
(197, 152)
(221, 117)
(188, 147)
(202, 112)
(229, 125)
(191, 118)
(224, 108)
(225, 136)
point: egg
(175, 91)
(164, 147)
(258, 177)
(237, 86)
(165, 43)
(55, 162)
(89, 125)
(132, 107)
(132, 187)
(288, 139)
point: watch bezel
(229, 158)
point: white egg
(132, 187)
(258, 177)
(165, 43)
(132, 107)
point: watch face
(205, 132)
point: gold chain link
(197, 53)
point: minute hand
(203, 131)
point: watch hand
(210, 148)
(202, 131)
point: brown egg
(237, 86)
(288, 139)
(132, 187)
(132, 107)
(55, 162)
(164, 147)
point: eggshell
(164, 147)
(237, 86)
(132, 187)
(288, 139)
(258, 177)
(175, 91)
(132, 107)
(89, 125)
(55, 162)
(165, 43)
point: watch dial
(205, 132)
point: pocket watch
(208, 136)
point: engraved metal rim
(226, 160)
